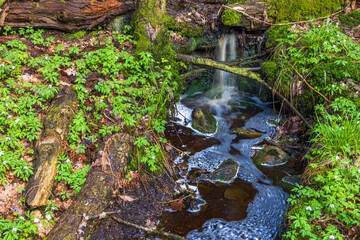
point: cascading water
(225, 81)
(250, 207)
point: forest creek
(155, 119)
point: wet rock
(248, 85)
(289, 182)
(271, 156)
(226, 172)
(247, 134)
(203, 121)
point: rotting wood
(246, 72)
(96, 193)
(56, 127)
(69, 15)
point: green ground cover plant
(328, 207)
(319, 53)
(133, 91)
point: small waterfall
(225, 81)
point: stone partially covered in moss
(203, 120)
(226, 172)
(118, 23)
(351, 19)
(271, 156)
(247, 134)
(230, 17)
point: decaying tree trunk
(246, 72)
(149, 23)
(56, 127)
(97, 191)
(66, 15)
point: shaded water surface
(251, 207)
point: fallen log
(56, 128)
(96, 193)
(246, 72)
(67, 15)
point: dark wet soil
(151, 194)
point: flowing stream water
(249, 206)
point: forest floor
(145, 199)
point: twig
(309, 84)
(157, 232)
(284, 24)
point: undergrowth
(319, 53)
(116, 92)
(328, 207)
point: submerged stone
(271, 156)
(203, 120)
(247, 134)
(226, 172)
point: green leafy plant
(329, 209)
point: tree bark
(96, 193)
(56, 128)
(65, 15)
(149, 23)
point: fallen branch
(152, 231)
(309, 84)
(240, 71)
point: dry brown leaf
(177, 206)
(127, 198)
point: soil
(141, 203)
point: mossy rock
(248, 85)
(118, 23)
(198, 85)
(230, 17)
(226, 172)
(271, 156)
(247, 134)
(203, 121)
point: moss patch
(184, 29)
(76, 35)
(230, 17)
(295, 10)
(351, 19)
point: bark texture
(96, 193)
(66, 15)
(149, 21)
(56, 127)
